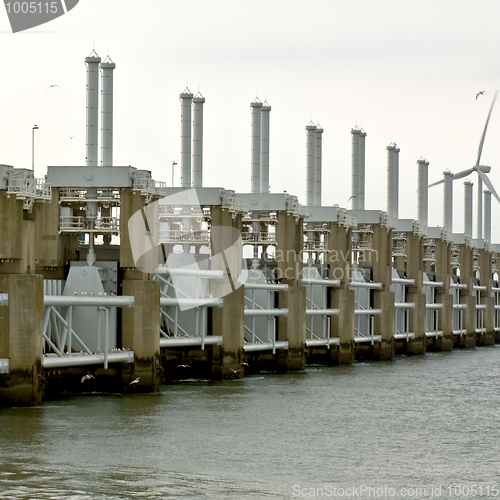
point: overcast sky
(406, 72)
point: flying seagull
(86, 377)
(136, 381)
(481, 92)
(51, 87)
(71, 136)
(353, 196)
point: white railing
(179, 310)
(313, 310)
(262, 337)
(174, 236)
(61, 341)
(258, 238)
(79, 224)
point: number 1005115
(32, 7)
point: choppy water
(416, 422)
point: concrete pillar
(445, 315)
(467, 297)
(342, 326)
(414, 270)
(141, 333)
(130, 202)
(445, 320)
(17, 236)
(381, 260)
(52, 250)
(487, 338)
(228, 321)
(293, 328)
(21, 338)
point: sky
(406, 72)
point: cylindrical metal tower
(186, 99)
(264, 148)
(311, 164)
(358, 169)
(448, 202)
(393, 181)
(423, 202)
(256, 107)
(487, 215)
(468, 208)
(92, 62)
(318, 165)
(107, 68)
(479, 208)
(198, 102)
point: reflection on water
(418, 421)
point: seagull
(71, 136)
(136, 381)
(86, 377)
(235, 371)
(353, 196)
(481, 92)
(182, 366)
(244, 364)
(51, 87)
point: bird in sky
(86, 377)
(481, 92)
(353, 196)
(51, 87)
(136, 381)
(71, 136)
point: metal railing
(61, 339)
(259, 342)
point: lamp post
(173, 163)
(35, 127)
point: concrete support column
(342, 326)
(467, 297)
(445, 315)
(415, 271)
(228, 321)
(445, 320)
(52, 250)
(339, 261)
(293, 328)
(486, 274)
(21, 338)
(141, 333)
(381, 260)
(130, 202)
(17, 236)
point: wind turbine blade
(488, 183)
(480, 150)
(435, 183)
(463, 173)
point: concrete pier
(141, 323)
(485, 271)
(293, 327)
(338, 259)
(140, 333)
(381, 260)
(415, 271)
(227, 360)
(467, 297)
(21, 339)
(442, 273)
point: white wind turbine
(481, 170)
